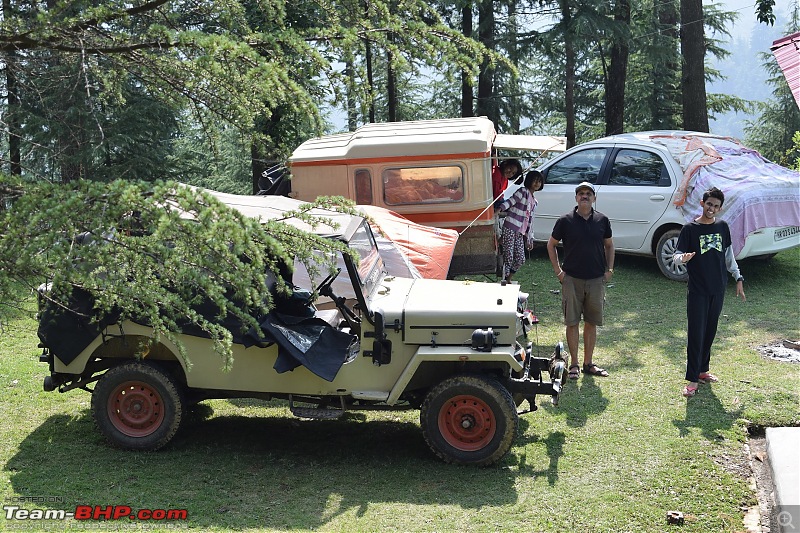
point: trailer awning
(787, 52)
(533, 143)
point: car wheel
(137, 406)
(469, 420)
(666, 247)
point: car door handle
(658, 198)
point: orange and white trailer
(433, 172)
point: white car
(650, 184)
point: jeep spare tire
(469, 420)
(137, 406)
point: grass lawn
(615, 455)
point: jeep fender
(121, 343)
(503, 355)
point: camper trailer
(433, 172)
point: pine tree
(774, 131)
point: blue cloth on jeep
(307, 341)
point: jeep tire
(469, 419)
(138, 406)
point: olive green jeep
(455, 350)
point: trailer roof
(473, 135)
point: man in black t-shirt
(588, 265)
(704, 245)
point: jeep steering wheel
(324, 288)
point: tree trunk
(513, 91)
(370, 81)
(352, 109)
(467, 98)
(71, 132)
(693, 82)
(485, 104)
(257, 165)
(569, 73)
(264, 163)
(391, 88)
(12, 113)
(665, 100)
(617, 71)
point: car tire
(666, 247)
(470, 420)
(138, 406)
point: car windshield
(370, 265)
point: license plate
(785, 233)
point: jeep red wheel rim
(467, 423)
(135, 409)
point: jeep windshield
(370, 268)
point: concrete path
(783, 451)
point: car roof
(645, 137)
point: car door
(634, 193)
(557, 197)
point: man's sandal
(594, 370)
(689, 391)
(707, 377)
(574, 372)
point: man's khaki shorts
(583, 298)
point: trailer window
(423, 185)
(363, 183)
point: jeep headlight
(353, 350)
(522, 301)
(525, 318)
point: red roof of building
(787, 51)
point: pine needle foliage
(153, 252)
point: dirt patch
(762, 519)
(788, 351)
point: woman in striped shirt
(518, 224)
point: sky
(746, 10)
(741, 30)
(746, 53)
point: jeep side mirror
(381, 352)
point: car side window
(580, 166)
(638, 167)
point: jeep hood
(447, 311)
